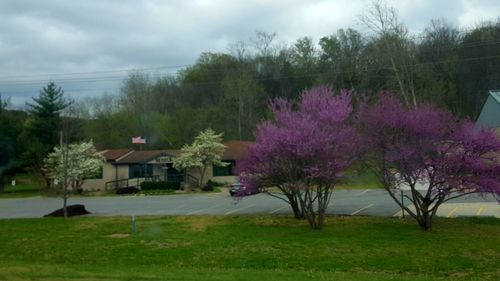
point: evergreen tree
(10, 127)
(41, 128)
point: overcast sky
(68, 40)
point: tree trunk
(298, 213)
(315, 216)
(46, 178)
(202, 175)
(293, 200)
(425, 221)
(65, 204)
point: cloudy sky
(88, 46)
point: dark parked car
(237, 189)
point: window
(140, 170)
(224, 171)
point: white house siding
(110, 173)
(490, 113)
(225, 179)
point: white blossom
(77, 162)
(207, 149)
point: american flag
(139, 140)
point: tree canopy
(41, 128)
(303, 152)
(206, 150)
(427, 147)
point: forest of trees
(229, 91)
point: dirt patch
(85, 225)
(198, 223)
(165, 244)
(119, 235)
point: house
(490, 114)
(128, 167)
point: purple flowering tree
(303, 152)
(427, 146)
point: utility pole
(64, 157)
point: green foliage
(10, 127)
(476, 77)
(3, 103)
(41, 129)
(44, 115)
(243, 106)
(119, 127)
(160, 185)
(228, 92)
(27, 185)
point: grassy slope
(27, 185)
(247, 248)
(364, 180)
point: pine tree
(41, 128)
(45, 114)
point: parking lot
(368, 202)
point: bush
(158, 192)
(160, 185)
(209, 186)
(217, 184)
(127, 190)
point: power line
(98, 72)
(413, 37)
(159, 75)
(283, 77)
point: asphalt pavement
(368, 202)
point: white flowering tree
(71, 164)
(206, 150)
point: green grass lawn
(27, 185)
(360, 180)
(248, 248)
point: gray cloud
(59, 36)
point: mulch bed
(73, 210)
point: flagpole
(139, 140)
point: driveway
(368, 202)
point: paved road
(367, 202)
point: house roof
(173, 152)
(142, 156)
(496, 95)
(490, 113)
(113, 154)
(235, 149)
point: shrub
(158, 192)
(209, 186)
(160, 185)
(127, 190)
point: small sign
(163, 159)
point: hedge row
(160, 185)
